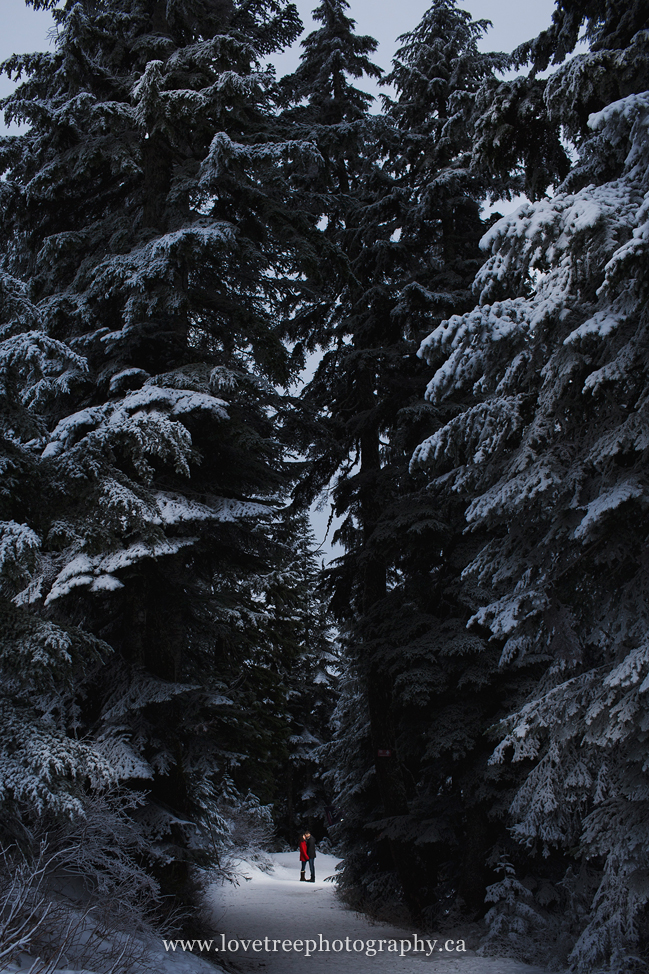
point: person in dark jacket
(304, 858)
(310, 851)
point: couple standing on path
(307, 854)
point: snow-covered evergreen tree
(323, 106)
(551, 451)
(411, 236)
(326, 105)
(145, 210)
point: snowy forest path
(277, 906)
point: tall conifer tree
(146, 210)
(410, 234)
(553, 459)
(323, 106)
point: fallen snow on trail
(276, 906)
(279, 907)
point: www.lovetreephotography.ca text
(370, 948)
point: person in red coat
(310, 851)
(304, 858)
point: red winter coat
(303, 853)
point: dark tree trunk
(389, 774)
(477, 838)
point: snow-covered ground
(271, 923)
(277, 907)
(157, 960)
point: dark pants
(312, 868)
